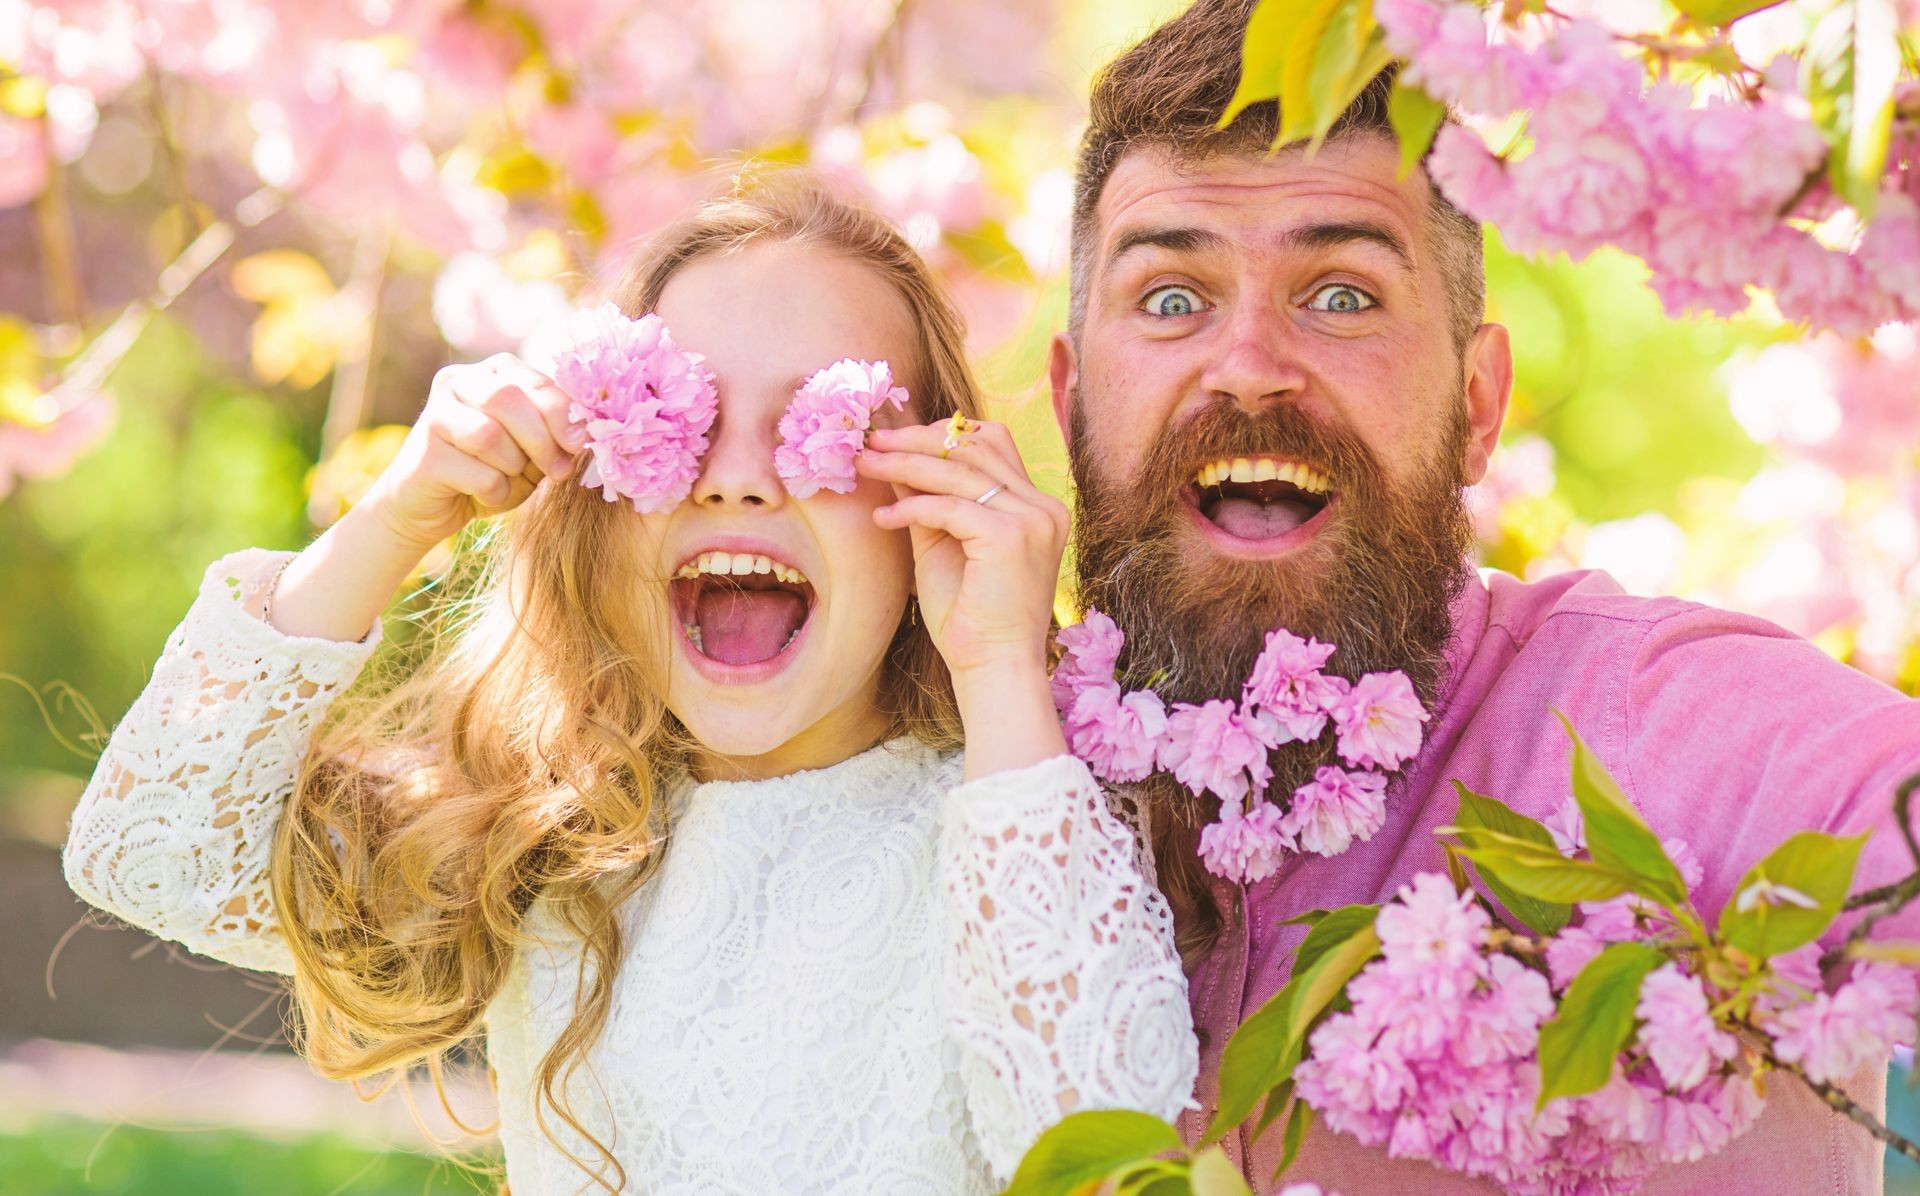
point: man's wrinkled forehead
(1254, 199)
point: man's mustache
(1225, 429)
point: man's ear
(1488, 383)
(1063, 371)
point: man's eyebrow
(1336, 233)
(1179, 240)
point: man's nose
(737, 470)
(1256, 365)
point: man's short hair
(1168, 92)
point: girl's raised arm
(174, 831)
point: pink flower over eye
(646, 405)
(826, 425)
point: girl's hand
(489, 433)
(985, 572)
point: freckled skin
(1265, 325)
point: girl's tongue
(739, 626)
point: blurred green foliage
(85, 1158)
(97, 566)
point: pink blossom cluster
(1833, 1035)
(645, 403)
(1437, 1059)
(1221, 747)
(825, 425)
(1701, 192)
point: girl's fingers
(986, 444)
(546, 396)
(1003, 519)
(506, 400)
(490, 488)
(480, 436)
(931, 475)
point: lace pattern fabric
(867, 977)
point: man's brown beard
(1379, 581)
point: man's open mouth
(1260, 498)
(740, 608)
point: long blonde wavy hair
(519, 751)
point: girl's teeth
(739, 564)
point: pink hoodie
(1724, 729)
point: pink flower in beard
(1287, 691)
(1090, 650)
(1329, 813)
(1117, 734)
(1378, 720)
(1246, 849)
(1214, 748)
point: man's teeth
(1263, 469)
(737, 564)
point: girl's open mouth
(737, 610)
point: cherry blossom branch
(1846, 1106)
(53, 224)
(1887, 899)
(86, 373)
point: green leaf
(1579, 1044)
(1270, 30)
(1309, 918)
(1087, 1147)
(1276, 1105)
(1151, 1175)
(1810, 864)
(1534, 870)
(1850, 66)
(1351, 50)
(1298, 100)
(1337, 927)
(1262, 1053)
(1214, 1174)
(1721, 12)
(1477, 810)
(1617, 838)
(1296, 1134)
(1416, 118)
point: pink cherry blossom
(1677, 1031)
(1379, 720)
(825, 426)
(1287, 690)
(1090, 649)
(1117, 734)
(1337, 808)
(1832, 1036)
(645, 403)
(1214, 748)
(1246, 849)
(49, 449)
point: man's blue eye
(1340, 298)
(1172, 301)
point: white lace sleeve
(174, 830)
(1064, 982)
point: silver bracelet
(266, 601)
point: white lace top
(863, 978)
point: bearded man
(1316, 324)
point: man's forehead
(1258, 194)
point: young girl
(676, 808)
